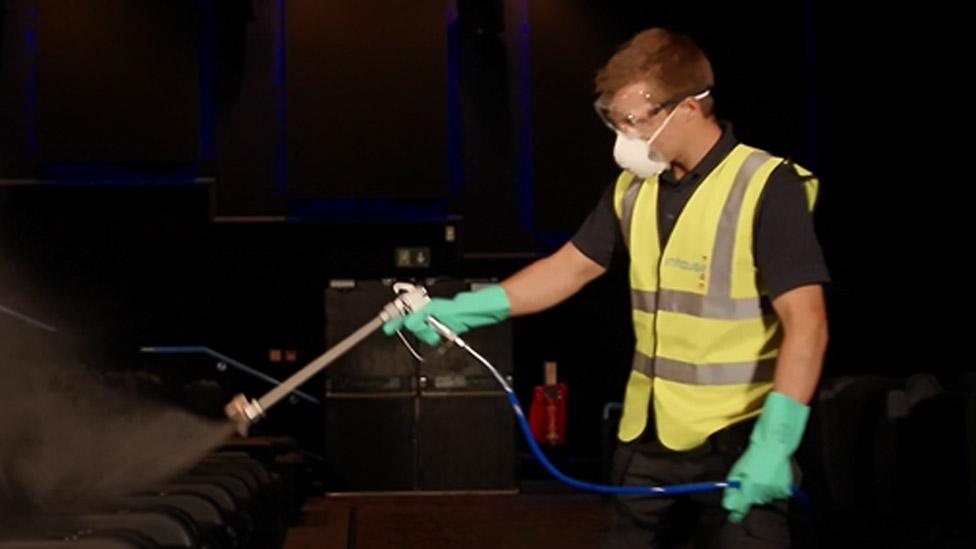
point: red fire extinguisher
(547, 416)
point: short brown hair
(671, 62)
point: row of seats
(242, 496)
(888, 462)
(892, 461)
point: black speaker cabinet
(370, 443)
(398, 424)
(465, 442)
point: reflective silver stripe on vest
(720, 274)
(719, 308)
(731, 373)
(627, 208)
(643, 300)
(643, 364)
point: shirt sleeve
(598, 238)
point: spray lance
(410, 298)
(244, 413)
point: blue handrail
(24, 318)
(200, 350)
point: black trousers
(653, 522)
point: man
(728, 309)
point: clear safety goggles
(631, 123)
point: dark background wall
(117, 84)
(366, 95)
(196, 171)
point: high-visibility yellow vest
(707, 337)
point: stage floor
(568, 521)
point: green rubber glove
(466, 310)
(764, 469)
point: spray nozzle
(243, 413)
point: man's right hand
(465, 311)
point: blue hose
(673, 490)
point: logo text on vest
(684, 264)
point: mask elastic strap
(697, 97)
(661, 127)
